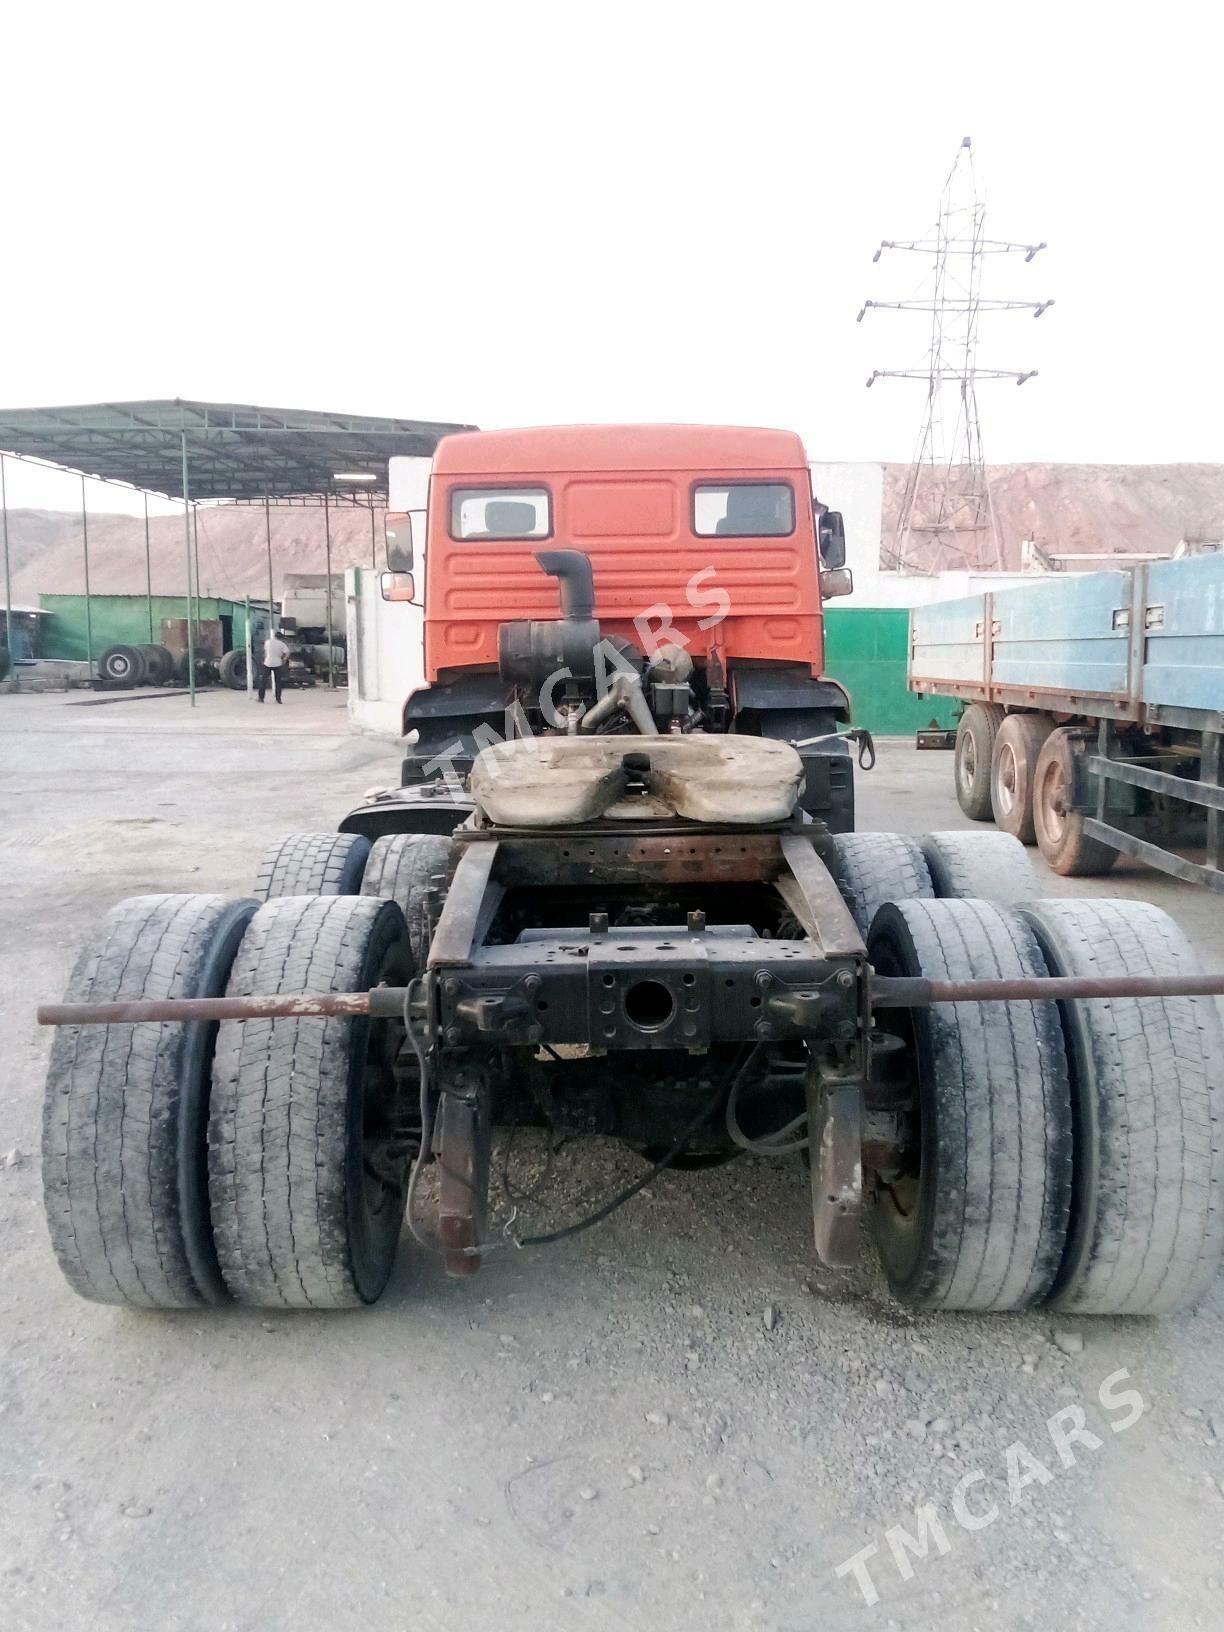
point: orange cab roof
(618, 447)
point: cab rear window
(743, 509)
(500, 512)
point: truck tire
(307, 1171)
(159, 665)
(1147, 1076)
(400, 868)
(979, 1222)
(1013, 767)
(982, 866)
(975, 740)
(233, 669)
(1067, 849)
(313, 864)
(874, 868)
(124, 1146)
(123, 665)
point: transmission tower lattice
(946, 517)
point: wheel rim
(1005, 781)
(385, 1137)
(968, 763)
(898, 1202)
(1053, 802)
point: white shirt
(275, 652)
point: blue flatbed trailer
(1094, 712)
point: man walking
(272, 669)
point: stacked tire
(147, 665)
(232, 670)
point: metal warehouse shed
(200, 451)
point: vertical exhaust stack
(530, 649)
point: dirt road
(674, 1421)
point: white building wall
(857, 490)
(386, 653)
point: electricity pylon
(947, 500)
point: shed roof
(234, 451)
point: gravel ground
(676, 1420)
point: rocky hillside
(1064, 507)
(45, 546)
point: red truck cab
(700, 560)
(709, 529)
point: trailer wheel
(975, 740)
(125, 1117)
(977, 1217)
(1067, 849)
(232, 669)
(313, 864)
(1147, 1074)
(877, 867)
(1013, 766)
(400, 869)
(983, 866)
(124, 665)
(307, 1144)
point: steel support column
(373, 537)
(88, 602)
(148, 568)
(8, 581)
(331, 664)
(268, 539)
(195, 551)
(191, 686)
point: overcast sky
(527, 213)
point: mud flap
(835, 1126)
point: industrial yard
(677, 1419)
(611, 820)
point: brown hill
(45, 547)
(1063, 507)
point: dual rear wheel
(1070, 1153)
(265, 1160)
(1064, 1152)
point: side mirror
(397, 586)
(836, 581)
(832, 539)
(397, 536)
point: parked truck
(619, 893)
(1094, 713)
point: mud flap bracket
(835, 1124)
(463, 1147)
